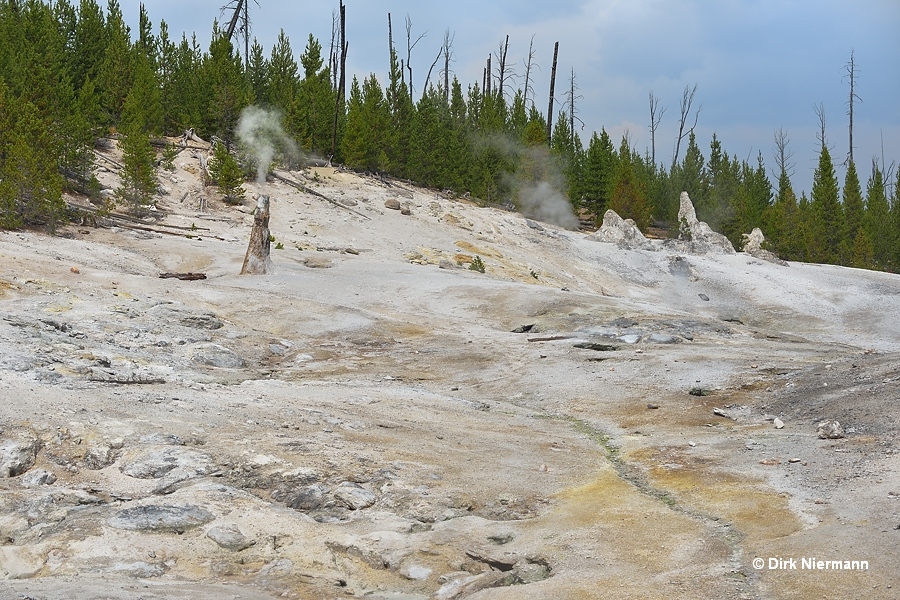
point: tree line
(73, 72)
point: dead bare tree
(783, 156)
(487, 71)
(333, 51)
(340, 96)
(820, 114)
(428, 77)
(851, 75)
(409, 48)
(501, 68)
(448, 52)
(240, 14)
(687, 100)
(529, 64)
(552, 90)
(655, 119)
(571, 99)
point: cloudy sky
(759, 65)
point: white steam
(261, 134)
(542, 201)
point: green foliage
(477, 265)
(227, 174)
(827, 223)
(30, 184)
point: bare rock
(697, 237)
(460, 588)
(354, 497)
(38, 477)
(157, 463)
(753, 242)
(151, 517)
(230, 537)
(830, 430)
(18, 455)
(623, 232)
(305, 498)
(100, 455)
(415, 572)
(778, 423)
(392, 203)
(213, 355)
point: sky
(759, 65)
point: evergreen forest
(73, 73)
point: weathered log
(257, 261)
(307, 190)
(183, 276)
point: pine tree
(138, 158)
(598, 174)
(30, 184)
(91, 38)
(878, 219)
(854, 213)
(827, 224)
(115, 75)
(368, 121)
(629, 192)
(283, 75)
(314, 104)
(258, 73)
(227, 174)
(227, 91)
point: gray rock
(172, 461)
(17, 456)
(830, 430)
(100, 455)
(663, 338)
(415, 572)
(622, 232)
(160, 518)
(694, 236)
(392, 203)
(531, 571)
(230, 537)
(38, 477)
(213, 355)
(305, 498)
(355, 498)
(139, 569)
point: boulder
(695, 236)
(230, 537)
(753, 242)
(213, 355)
(18, 455)
(830, 430)
(353, 497)
(392, 203)
(175, 519)
(622, 232)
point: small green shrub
(477, 265)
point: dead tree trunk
(448, 45)
(687, 99)
(529, 63)
(257, 260)
(487, 70)
(340, 95)
(655, 118)
(851, 75)
(501, 58)
(552, 91)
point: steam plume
(260, 131)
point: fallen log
(183, 276)
(303, 188)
